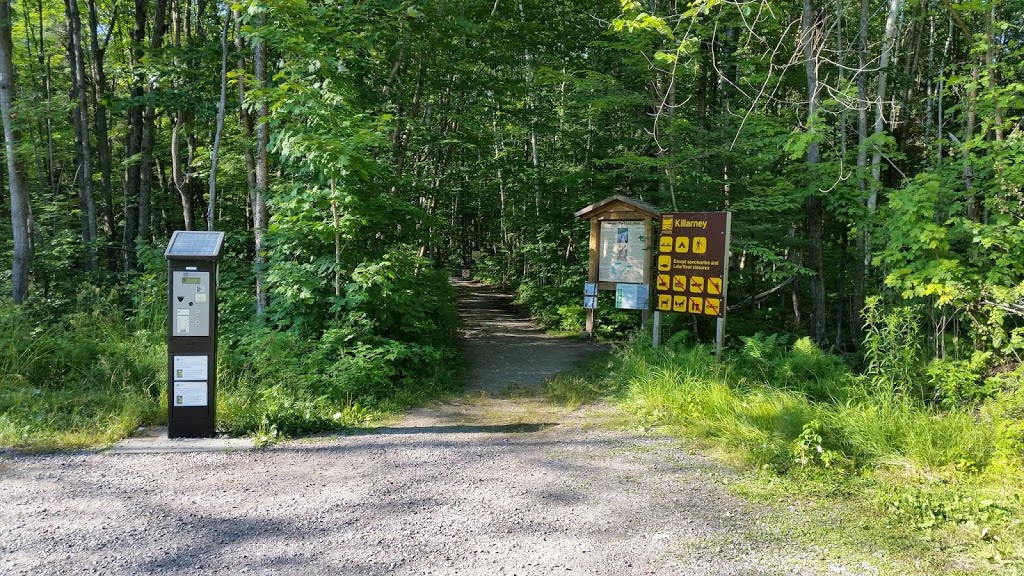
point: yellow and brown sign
(693, 252)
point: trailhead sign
(621, 254)
(692, 263)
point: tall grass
(797, 412)
(84, 380)
(90, 379)
(88, 374)
(764, 408)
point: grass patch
(926, 490)
(83, 381)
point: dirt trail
(505, 350)
(487, 485)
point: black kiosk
(192, 333)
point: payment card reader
(192, 333)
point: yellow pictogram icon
(696, 305)
(714, 285)
(663, 281)
(664, 263)
(665, 244)
(712, 306)
(682, 244)
(679, 303)
(700, 244)
(665, 302)
(696, 284)
(679, 283)
(666, 224)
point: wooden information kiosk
(622, 231)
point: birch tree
(21, 211)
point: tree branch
(762, 295)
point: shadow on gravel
(462, 429)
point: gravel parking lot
(489, 484)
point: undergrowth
(86, 378)
(91, 374)
(935, 479)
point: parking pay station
(192, 332)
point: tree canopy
(864, 148)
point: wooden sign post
(621, 246)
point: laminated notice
(191, 367)
(190, 394)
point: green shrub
(94, 375)
(961, 382)
(392, 343)
(804, 368)
(762, 353)
(893, 348)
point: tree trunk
(260, 214)
(403, 133)
(337, 240)
(861, 270)
(843, 149)
(47, 85)
(99, 96)
(76, 60)
(133, 173)
(244, 120)
(993, 76)
(179, 173)
(222, 107)
(971, 106)
(21, 211)
(148, 124)
(814, 209)
(883, 78)
(793, 256)
(974, 197)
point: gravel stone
(498, 482)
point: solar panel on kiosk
(195, 244)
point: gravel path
(491, 484)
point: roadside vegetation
(352, 150)
(915, 465)
(90, 372)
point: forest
(359, 153)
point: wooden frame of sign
(618, 209)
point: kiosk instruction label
(693, 254)
(190, 393)
(191, 367)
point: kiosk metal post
(192, 333)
